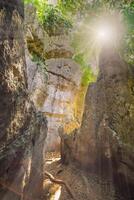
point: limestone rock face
(22, 128)
(35, 38)
(57, 100)
(105, 139)
(63, 84)
(37, 82)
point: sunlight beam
(104, 34)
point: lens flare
(104, 33)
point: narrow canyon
(66, 101)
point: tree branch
(60, 182)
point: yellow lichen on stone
(36, 46)
(7, 49)
(2, 16)
(77, 107)
(39, 96)
(14, 126)
(71, 126)
(16, 19)
(15, 48)
(79, 103)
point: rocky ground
(84, 185)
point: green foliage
(128, 49)
(87, 77)
(95, 11)
(51, 17)
(40, 62)
(126, 8)
(72, 6)
(35, 2)
(54, 22)
(128, 13)
(40, 7)
(87, 73)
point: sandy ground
(84, 185)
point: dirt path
(85, 186)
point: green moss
(128, 48)
(87, 73)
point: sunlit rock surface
(105, 140)
(22, 127)
(63, 85)
(57, 98)
(37, 82)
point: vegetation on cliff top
(82, 16)
(54, 22)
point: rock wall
(58, 99)
(37, 81)
(22, 128)
(63, 85)
(104, 142)
(56, 94)
(35, 38)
